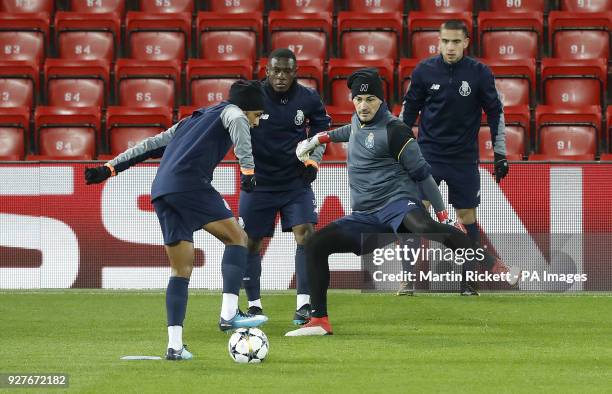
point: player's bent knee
(302, 233)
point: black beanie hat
(366, 81)
(247, 95)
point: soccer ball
(248, 345)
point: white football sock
(175, 337)
(229, 307)
(302, 299)
(256, 303)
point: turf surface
(382, 343)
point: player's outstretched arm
(238, 127)
(306, 147)
(152, 147)
(494, 108)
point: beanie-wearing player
(292, 112)
(385, 169)
(185, 201)
(450, 91)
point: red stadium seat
(150, 83)
(335, 151)
(339, 115)
(375, 6)
(510, 35)
(563, 132)
(423, 28)
(307, 6)
(14, 126)
(340, 69)
(517, 6)
(166, 6)
(125, 127)
(309, 73)
(307, 35)
(574, 82)
(579, 36)
(406, 67)
(517, 134)
(83, 36)
(20, 6)
(445, 6)
(98, 6)
(24, 36)
(210, 81)
(18, 83)
(158, 36)
(77, 83)
(68, 133)
(586, 5)
(236, 6)
(229, 36)
(364, 36)
(186, 110)
(514, 79)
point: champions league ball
(248, 345)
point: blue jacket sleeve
(493, 107)
(414, 98)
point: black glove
(247, 182)
(310, 173)
(500, 166)
(97, 174)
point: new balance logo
(435, 86)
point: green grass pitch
(382, 343)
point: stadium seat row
(79, 133)
(135, 83)
(359, 35)
(305, 6)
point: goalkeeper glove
(310, 171)
(99, 174)
(308, 145)
(501, 166)
(445, 219)
(247, 180)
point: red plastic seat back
(98, 6)
(445, 6)
(376, 6)
(510, 35)
(14, 125)
(166, 6)
(74, 83)
(18, 84)
(229, 36)
(305, 34)
(126, 127)
(236, 6)
(24, 36)
(158, 36)
(586, 5)
(66, 132)
(580, 36)
(574, 82)
(19, 6)
(147, 83)
(369, 36)
(307, 6)
(83, 36)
